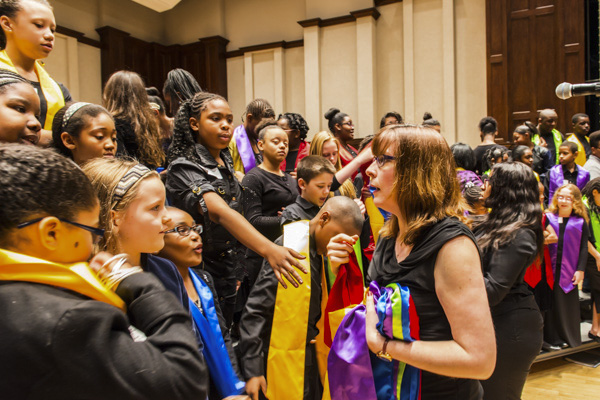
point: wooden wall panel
(204, 59)
(533, 45)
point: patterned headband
(132, 176)
(154, 106)
(70, 111)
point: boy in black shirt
(315, 176)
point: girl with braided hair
(19, 109)
(296, 128)
(201, 181)
(26, 37)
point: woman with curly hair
(296, 128)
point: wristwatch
(383, 354)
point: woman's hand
(374, 339)
(339, 249)
(284, 262)
(577, 278)
(256, 384)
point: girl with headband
(26, 37)
(134, 217)
(84, 131)
(19, 108)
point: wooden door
(532, 46)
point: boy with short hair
(581, 128)
(279, 326)
(566, 171)
(315, 176)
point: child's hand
(577, 278)
(361, 205)
(254, 385)
(339, 249)
(284, 262)
(550, 236)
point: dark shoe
(594, 337)
(563, 345)
(549, 347)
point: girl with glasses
(183, 246)
(134, 217)
(569, 218)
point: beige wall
(390, 61)
(420, 55)
(338, 71)
(87, 15)
(77, 66)
(428, 55)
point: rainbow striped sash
(355, 372)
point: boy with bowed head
(272, 338)
(549, 136)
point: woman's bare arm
(461, 291)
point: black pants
(227, 295)
(519, 335)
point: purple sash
(355, 372)
(570, 253)
(244, 148)
(557, 179)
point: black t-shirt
(290, 161)
(44, 104)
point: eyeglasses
(565, 198)
(97, 232)
(184, 230)
(382, 159)
(348, 123)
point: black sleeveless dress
(416, 272)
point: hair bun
(427, 115)
(331, 113)
(152, 91)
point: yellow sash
(580, 159)
(54, 96)
(285, 364)
(77, 277)
(375, 217)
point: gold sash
(77, 277)
(54, 96)
(285, 364)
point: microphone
(565, 90)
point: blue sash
(215, 353)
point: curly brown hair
(578, 206)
